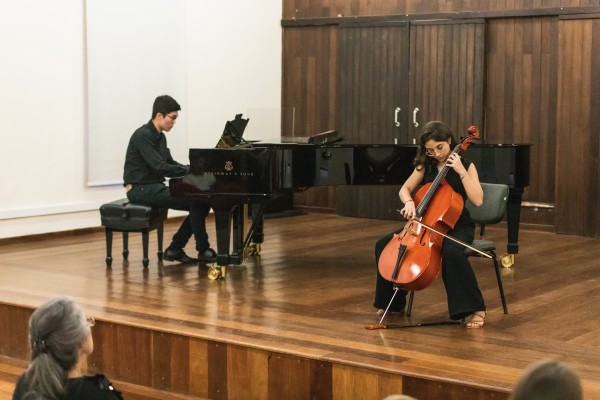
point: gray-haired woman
(61, 341)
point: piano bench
(123, 216)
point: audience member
(548, 380)
(61, 340)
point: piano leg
(258, 222)
(229, 224)
(513, 216)
(223, 228)
(231, 235)
(238, 216)
(255, 235)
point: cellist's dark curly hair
(437, 131)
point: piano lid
(327, 137)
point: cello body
(413, 258)
(422, 256)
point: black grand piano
(253, 174)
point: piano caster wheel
(215, 273)
(507, 260)
(254, 249)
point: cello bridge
(411, 230)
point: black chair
(495, 197)
(123, 216)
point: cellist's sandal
(476, 320)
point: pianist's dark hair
(164, 104)
(437, 131)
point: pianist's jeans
(158, 195)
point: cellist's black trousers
(464, 296)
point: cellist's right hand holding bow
(408, 211)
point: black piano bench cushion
(121, 215)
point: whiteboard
(135, 52)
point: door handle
(396, 112)
(415, 123)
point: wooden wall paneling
(321, 378)
(161, 360)
(169, 372)
(119, 356)
(133, 365)
(247, 373)
(198, 367)
(348, 8)
(545, 137)
(521, 93)
(577, 161)
(289, 377)
(217, 371)
(15, 325)
(446, 74)
(424, 389)
(594, 137)
(361, 383)
(309, 71)
(373, 68)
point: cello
(412, 258)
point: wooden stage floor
(298, 312)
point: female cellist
(464, 297)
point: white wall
(233, 64)
(128, 64)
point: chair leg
(499, 279)
(410, 302)
(159, 234)
(145, 239)
(125, 245)
(108, 247)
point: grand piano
(229, 178)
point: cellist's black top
(455, 182)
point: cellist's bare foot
(475, 320)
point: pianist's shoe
(208, 255)
(175, 254)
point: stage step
(11, 369)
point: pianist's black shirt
(148, 159)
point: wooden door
(371, 104)
(446, 74)
(436, 67)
